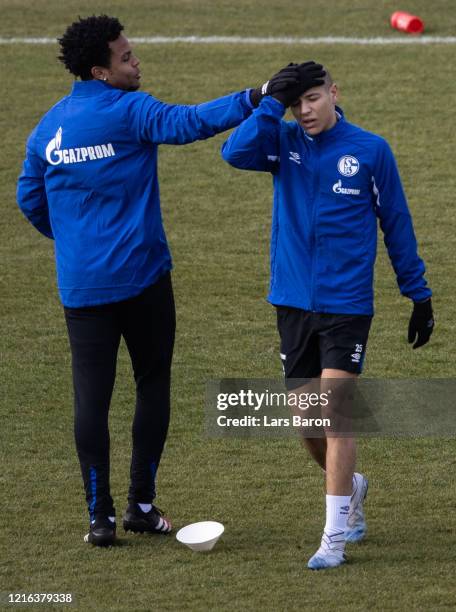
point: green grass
(228, 17)
(267, 492)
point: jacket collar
(93, 87)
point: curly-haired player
(86, 44)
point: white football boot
(330, 554)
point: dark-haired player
(333, 182)
(89, 182)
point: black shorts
(311, 341)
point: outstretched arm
(153, 121)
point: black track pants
(147, 322)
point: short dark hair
(86, 44)
(328, 78)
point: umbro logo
(295, 157)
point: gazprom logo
(56, 155)
(337, 188)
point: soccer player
(332, 182)
(89, 182)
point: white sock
(333, 539)
(337, 507)
(145, 507)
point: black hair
(86, 44)
(328, 78)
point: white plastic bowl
(200, 536)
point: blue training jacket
(90, 181)
(329, 191)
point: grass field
(267, 492)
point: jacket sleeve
(152, 121)
(255, 144)
(31, 192)
(396, 224)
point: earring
(105, 78)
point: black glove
(421, 323)
(290, 83)
(310, 75)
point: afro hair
(86, 44)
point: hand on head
(290, 83)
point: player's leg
(341, 451)
(342, 347)
(149, 328)
(340, 463)
(341, 456)
(94, 339)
